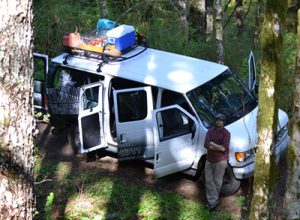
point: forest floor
(57, 148)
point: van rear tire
(230, 183)
(74, 138)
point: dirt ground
(56, 147)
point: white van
(154, 106)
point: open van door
(133, 117)
(175, 139)
(90, 117)
(252, 73)
(40, 72)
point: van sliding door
(90, 117)
(133, 122)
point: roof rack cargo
(104, 45)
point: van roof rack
(106, 57)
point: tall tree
(293, 6)
(258, 20)
(271, 41)
(209, 19)
(292, 197)
(197, 14)
(104, 11)
(219, 31)
(16, 115)
(183, 13)
(239, 16)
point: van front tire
(230, 183)
(74, 138)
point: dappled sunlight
(240, 142)
(108, 164)
(63, 170)
(83, 205)
(152, 63)
(180, 76)
(150, 205)
(150, 79)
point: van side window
(132, 106)
(74, 77)
(174, 123)
(172, 98)
(90, 98)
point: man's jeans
(214, 173)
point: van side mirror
(252, 73)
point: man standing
(217, 144)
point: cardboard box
(122, 36)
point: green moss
(291, 157)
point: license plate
(131, 152)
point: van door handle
(123, 138)
(157, 157)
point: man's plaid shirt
(220, 136)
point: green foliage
(113, 198)
(241, 201)
(90, 195)
(48, 206)
(287, 86)
(54, 18)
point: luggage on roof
(107, 38)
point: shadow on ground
(55, 149)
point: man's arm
(216, 147)
(207, 140)
(220, 147)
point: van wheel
(230, 183)
(74, 138)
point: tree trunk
(219, 32)
(183, 13)
(265, 166)
(104, 11)
(16, 115)
(239, 16)
(209, 19)
(293, 6)
(197, 15)
(292, 196)
(258, 20)
(148, 11)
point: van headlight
(246, 155)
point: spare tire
(230, 183)
(74, 138)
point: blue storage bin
(105, 24)
(122, 36)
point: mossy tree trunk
(265, 168)
(16, 115)
(197, 15)
(258, 20)
(219, 31)
(239, 16)
(183, 17)
(209, 19)
(292, 195)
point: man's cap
(221, 117)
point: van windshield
(224, 94)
